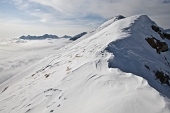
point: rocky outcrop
(162, 34)
(157, 44)
(167, 36)
(78, 36)
(164, 79)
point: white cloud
(37, 10)
(57, 14)
(108, 8)
(103, 7)
(21, 4)
(43, 20)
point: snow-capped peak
(111, 71)
(118, 18)
(109, 22)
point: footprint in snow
(54, 97)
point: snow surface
(18, 54)
(101, 72)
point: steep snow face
(92, 75)
(133, 54)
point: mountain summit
(113, 69)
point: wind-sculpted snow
(109, 22)
(133, 53)
(103, 73)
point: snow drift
(108, 70)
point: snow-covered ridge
(134, 51)
(112, 20)
(109, 22)
(108, 70)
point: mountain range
(120, 67)
(47, 36)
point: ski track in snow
(77, 78)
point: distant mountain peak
(66, 36)
(119, 17)
(109, 22)
(45, 36)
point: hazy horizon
(70, 17)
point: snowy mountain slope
(17, 54)
(102, 73)
(142, 54)
(109, 22)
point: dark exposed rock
(151, 42)
(147, 67)
(166, 35)
(162, 35)
(155, 28)
(164, 79)
(157, 44)
(119, 17)
(5, 88)
(78, 36)
(51, 110)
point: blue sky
(70, 17)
